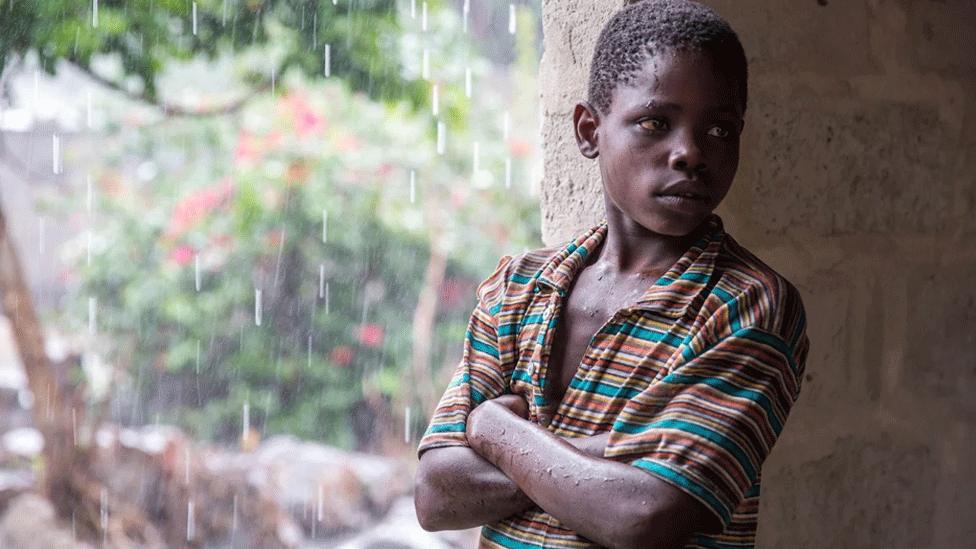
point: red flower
(519, 147)
(304, 118)
(371, 335)
(196, 206)
(342, 355)
(182, 255)
(248, 148)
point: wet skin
(678, 122)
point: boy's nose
(686, 155)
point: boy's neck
(631, 249)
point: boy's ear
(586, 120)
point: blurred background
(239, 244)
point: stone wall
(858, 183)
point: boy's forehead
(676, 78)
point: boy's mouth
(685, 189)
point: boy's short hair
(648, 27)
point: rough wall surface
(858, 182)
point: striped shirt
(694, 381)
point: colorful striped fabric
(694, 381)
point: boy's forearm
(459, 489)
(584, 492)
(456, 489)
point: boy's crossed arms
(513, 464)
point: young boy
(624, 389)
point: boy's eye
(654, 124)
(719, 131)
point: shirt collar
(670, 294)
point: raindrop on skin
(441, 137)
(328, 60)
(511, 18)
(257, 307)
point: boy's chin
(670, 224)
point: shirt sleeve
(479, 375)
(707, 424)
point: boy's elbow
(426, 500)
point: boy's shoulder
(770, 297)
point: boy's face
(669, 147)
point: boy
(624, 389)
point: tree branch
(172, 110)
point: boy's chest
(587, 308)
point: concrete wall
(857, 182)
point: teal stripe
(508, 329)
(522, 375)
(686, 483)
(505, 541)
(732, 390)
(476, 396)
(494, 310)
(663, 281)
(752, 334)
(592, 386)
(654, 336)
(447, 428)
(519, 278)
(730, 301)
(695, 277)
(531, 319)
(689, 427)
(464, 378)
(770, 340)
(703, 541)
(481, 346)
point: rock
(400, 530)
(30, 523)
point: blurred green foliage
(148, 34)
(272, 259)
